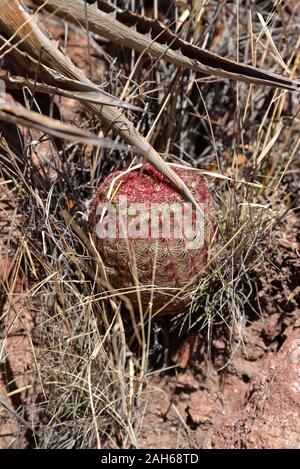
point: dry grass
(90, 351)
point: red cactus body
(166, 269)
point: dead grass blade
(12, 411)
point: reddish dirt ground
(270, 418)
(254, 403)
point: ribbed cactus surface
(160, 246)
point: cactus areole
(151, 239)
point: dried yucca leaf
(13, 82)
(18, 115)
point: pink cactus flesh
(165, 269)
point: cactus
(165, 267)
